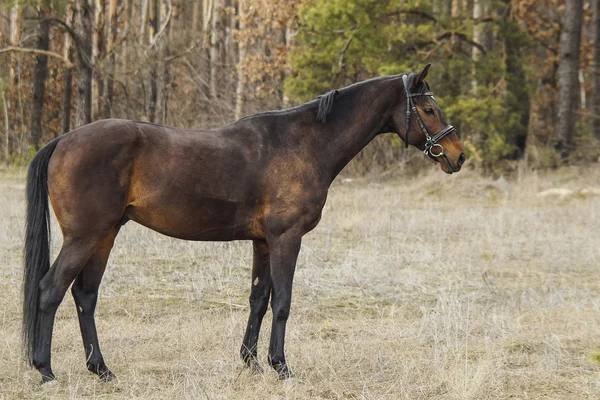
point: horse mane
(326, 101)
(325, 105)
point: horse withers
(263, 178)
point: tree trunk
(582, 94)
(207, 15)
(143, 20)
(15, 21)
(196, 16)
(241, 76)
(127, 25)
(15, 24)
(568, 80)
(478, 37)
(455, 8)
(515, 78)
(216, 42)
(112, 28)
(67, 94)
(39, 81)
(84, 21)
(6, 125)
(455, 13)
(167, 78)
(290, 42)
(154, 78)
(98, 53)
(519, 102)
(595, 98)
(231, 48)
(207, 11)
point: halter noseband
(430, 141)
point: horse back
(184, 183)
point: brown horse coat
(263, 178)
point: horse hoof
(47, 379)
(107, 376)
(252, 362)
(256, 369)
(284, 372)
(102, 371)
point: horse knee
(259, 303)
(262, 307)
(281, 312)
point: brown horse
(263, 178)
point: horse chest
(298, 208)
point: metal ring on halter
(429, 148)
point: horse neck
(365, 114)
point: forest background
(519, 79)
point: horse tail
(37, 243)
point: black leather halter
(430, 141)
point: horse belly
(204, 219)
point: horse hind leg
(53, 286)
(85, 293)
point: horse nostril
(461, 159)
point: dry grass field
(433, 287)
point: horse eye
(429, 111)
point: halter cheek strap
(407, 81)
(430, 142)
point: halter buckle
(429, 147)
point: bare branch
(420, 13)
(48, 53)
(344, 50)
(183, 53)
(62, 23)
(462, 37)
(76, 38)
(429, 53)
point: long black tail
(37, 243)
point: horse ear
(421, 75)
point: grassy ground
(437, 287)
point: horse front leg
(283, 254)
(259, 302)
